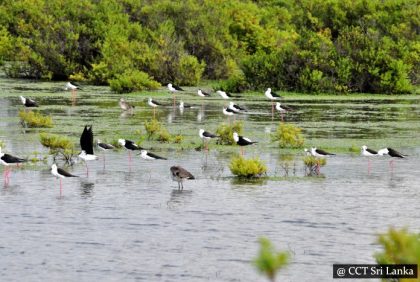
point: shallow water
(129, 222)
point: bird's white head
(364, 147)
(231, 104)
(278, 104)
(269, 89)
(201, 132)
(122, 100)
(143, 153)
(313, 149)
(150, 100)
(98, 141)
(235, 136)
(121, 142)
(181, 104)
(23, 99)
(54, 167)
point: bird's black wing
(240, 108)
(132, 146)
(12, 159)
(229, 110)
(155, 156)
(209, 135)
(76, 84)
(31, 103)
(106, 146)
(371, 151)
(322, 152)
(86, 140)
(394, 153)
(205, 93)
(65, 173)
(274, 94)
(157, 103)
(177, 87)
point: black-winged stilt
(60, 173)
(366, 152)
(154, 104)
(320, 153)
(224, 94)
(27, 102)
(202, 93)
(236, 108)
(242, 141)
(179, 174)
(174, 89)
(392, 153)
(228, 112)
(73, 88)
(86, 144)
(8, 161)
(150, 156)
(130, 146)
(125, 106)
(282, 109)
(104, 147)
(272, 96)
(206, 136)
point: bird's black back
(155, 156)
(130, 145)
(393, 153)
(65, 173)
(12, 159)
(105, 146)
(371, 151)
(322, 152)
(209, 135)
(244, 142)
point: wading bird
(242, 141)
(125, 106)
(60, 173)
(366, 152)
(180, 174)
(86, 144)
(8, 161)
(130, 146)
(392, 153)
(206, 136)
(27, 102)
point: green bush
(399, 247)
(155, 130)
(131, 81)
(234, 84)
(225, 131)
(190, 70)
(58, 145)
(35, 119)
(152, 127)
(288, 136)
(248, 168)
(269, 261)
(313, 164)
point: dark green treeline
(297, 45)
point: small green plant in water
(269, 261)
(400, 247)
(313, 164)
(225, 131)
(354, 149)
(152, 127)
(58, 145)
(248, 168)
(288, 135)
(35, 119)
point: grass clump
(155, 130)
(58, 145)
(313, 164)
(269, 261)
(225, 131)
(400, 247)
(354, 149)
(247, 168)
(288, 135)
(35, 119)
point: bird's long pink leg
(87, 169)
(61, 188)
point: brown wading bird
(125, 106)
(179, 174)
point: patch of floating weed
(225, 131)
(35, 119)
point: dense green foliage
(58, 145)
(288, 136)
(156, 130)
(225, 132)
(248, 168)
(314, 164)
(269, 261)
(400, 247)
(35, 119)
(307, 45)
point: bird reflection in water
(86, 189)
(179, 198)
